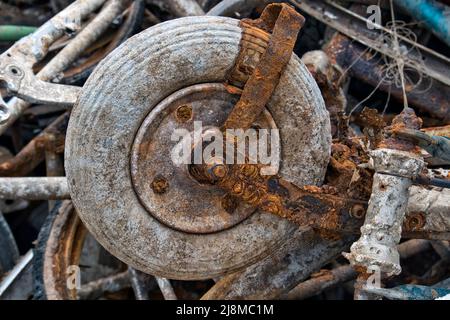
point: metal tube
(342, 274)
(231, 8)
(50, 31)
(14, 33)
(53, 162)
(318, 284)
(36, 44)
(83, 40)
(95, 289)
(166, 288)
(34, 188)
(18, 283)
(305, 252)
(434, 15)
(382, 227)
(184, 8)
(33, 153)
(138, 282)
(344, 52)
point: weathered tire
(118, 96)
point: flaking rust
(284, 23)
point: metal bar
(18, 283)
(317, 285)
(231, 8)
(33, 153)
(306, 252)
(166, 288)
(34, 188)
(83, 40)
(428, 213)
(34, 47)
(434, 15)
(184, 8)
(139, 283)
(331, 278)
(53, 162)
(343, 20)
(285, 23)
(95, 289)
(47, 34)
(429, 99)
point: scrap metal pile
(98, 99)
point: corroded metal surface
(428, 210)
(9, 253)
(62, 249)
(17, 62)
(33, 153)
(320, 208)
(39, 188)
(328, 78)
(183, 8)
(98, 155)
(284, 23)
(183, 203)
(428, 98)
(395, 168)
(292, 263)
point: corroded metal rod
(342, 274)
(34, 188)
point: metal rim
(185, 204)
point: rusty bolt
(219, 170)
(237, 188)
(229, 203)
(358, 211)
(272, 207)
(160, 184)
(184, 113)
(250, 171)
(415, 221)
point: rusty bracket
(312, 206)
(284, 23)
(319, 207)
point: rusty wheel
(141, 207)
(64, 247)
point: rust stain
(284, 23)
(414, 221)
(406, 119)
(52, 138)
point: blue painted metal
(415, 292)
(410, 292)
(431, 13)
